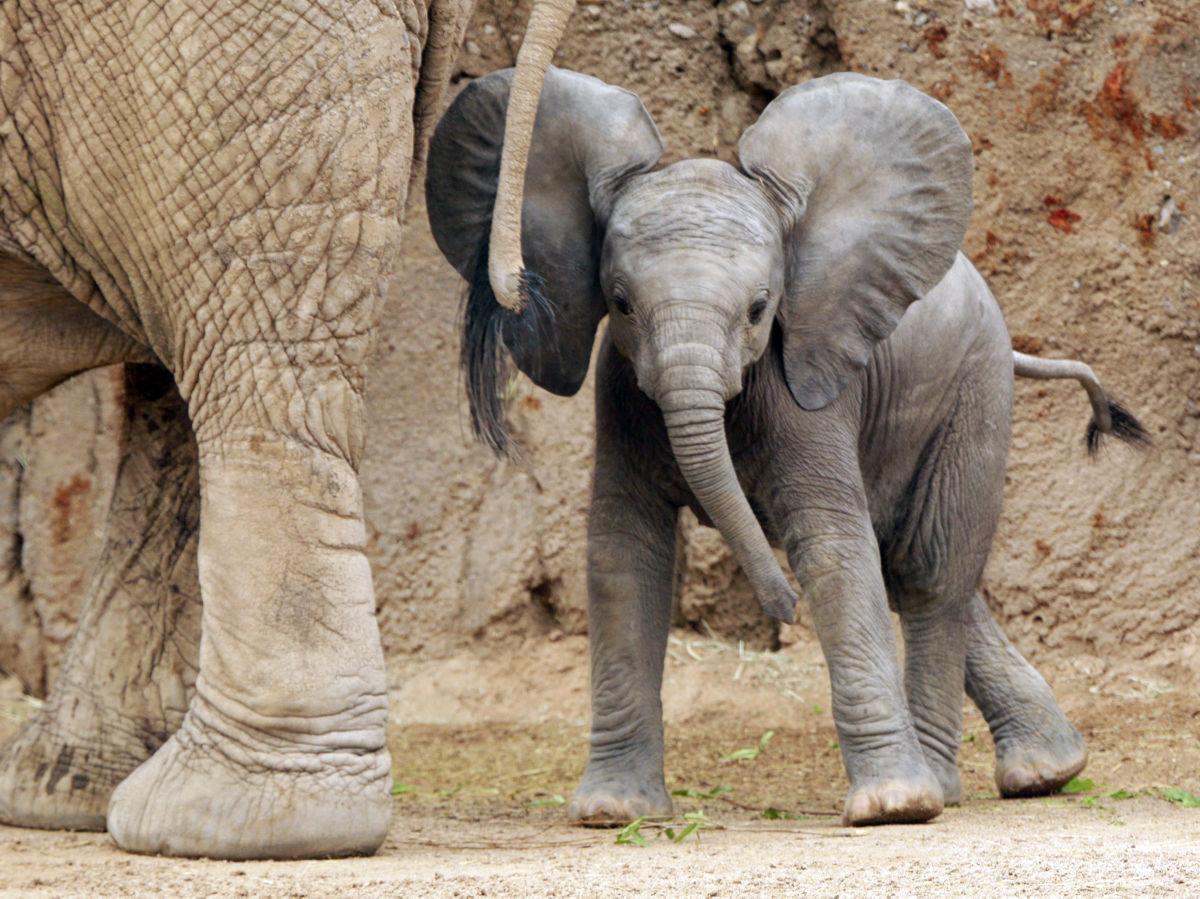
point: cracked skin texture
(152, 173)
(221, 186)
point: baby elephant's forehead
(695, 202)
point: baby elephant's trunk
(692, 400)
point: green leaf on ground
(679, 836)
(549, 802)
(750, 753)
(399, 789)
(688, 793)
(1121, 794)
(778, 814)
(696, 821)
(1180, 797)
(1079, 785)
(631, 833)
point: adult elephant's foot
(609, 799)
(1038, 763)
(224, 791)
(58, 784)
(882, 800)
(60, 769)
(282, 753)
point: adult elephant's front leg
(284, 229)
(282, 751)
(631, 574)
(833, 551)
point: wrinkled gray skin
(761, 369)
(216, 188)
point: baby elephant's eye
(757, 308)
(622, 303)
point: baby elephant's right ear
(590, 137)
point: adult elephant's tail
(1108, 416)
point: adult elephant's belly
(948, 349)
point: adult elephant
(215, 190)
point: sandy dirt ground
(486, 750)
(987, 848)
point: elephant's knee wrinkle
(262, 391)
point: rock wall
(1084, 116)
(58, 460)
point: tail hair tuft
(1125, 427)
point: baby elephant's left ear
(874, 182)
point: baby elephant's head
(692, 271)
(849, 202)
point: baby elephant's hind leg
(932, 574)
(935, 561)
(934, 661)
(1037, 748)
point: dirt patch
(983, 849)
(67, 498)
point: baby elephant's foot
(881, 800)
(1037, 764)
(616, 799)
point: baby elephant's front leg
(836, 559)
(631, 573)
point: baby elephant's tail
(1108, 416)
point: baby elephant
(760, 367)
